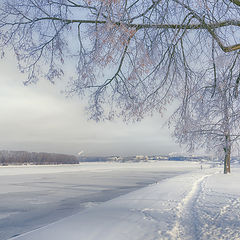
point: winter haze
(39, 117)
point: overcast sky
(40, 118)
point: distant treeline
(41, 158)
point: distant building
(141, 157)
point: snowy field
(197, 204)
(34, 196)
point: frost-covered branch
(130, 57)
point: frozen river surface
(34, 196)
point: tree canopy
(129, 57)
(210, 119)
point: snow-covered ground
(203, 204)
(34, 196)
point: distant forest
(41, 158)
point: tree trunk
(227, 156)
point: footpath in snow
(197, 205)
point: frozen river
(34, 196)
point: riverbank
(199, 205)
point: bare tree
(129, 57)
(208, 117)
(133, 57)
